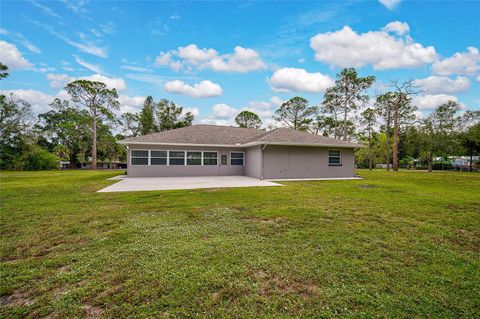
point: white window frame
(243, 159)
(335, 164)
(195, 151)
(184, 157)
(203, 157)
(150, 157)
(138, 149)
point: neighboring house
(210, 150)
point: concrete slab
(313, 179)
(135, 184)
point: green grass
(392, 245)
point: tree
(68, 128)
(296, 113)
(99, 100)
(15, 115)
(3, 71)
(170, 116)
(147, 117)
(437, 132)
(131, 125)
(384, 108)
(368, 119)
(470, 138)
(402, 112)
(248, 119)
(330, 120)
(347, 94)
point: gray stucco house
(210, 150)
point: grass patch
(390, 245)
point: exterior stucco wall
(253, 165)
(305, 162)
(184, 170)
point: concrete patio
(134, 184)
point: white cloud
(44, 8)
(130, 104)
(11, 57)
(38, 100)
(199, 90)
(400, 28)
(430, 102)
(223, 111)
(20, 38)
(91, 67)
(276, 101)
(194, 110)
(212, 121)
(85, 46)
(242, 60)
(390, 4)
(461, 63)
(112, 83)
(60, 80)
(442, 84)
(346, 48)
(299, 80)
(135, 68)
(146, 78)
(478, 78)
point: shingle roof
(235, 136)
(200, 134)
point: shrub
(438, 166)
(39, 159)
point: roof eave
(178, 144)
(304, 144)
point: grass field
(391, 245)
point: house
(210, 150)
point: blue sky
(217, 58)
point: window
(139, 157)
(176, 157)
(334, 157)
(236, 158)
(158, 157)
(224, 159)
(194, 158)
(210, 158)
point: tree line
(82, 128)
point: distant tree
(147, 117)
(347, 94)
(329, 117)
(130, 123)
(328, 126)
(68, 128)
(384, 106)
(170, 116)
(368, 119)
(248, 119)
(437, 132)
(470, 137)
(15, 117)
(296, 113)
(403, 111)
(99, 101)
(3, 71)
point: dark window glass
(158, 161)
(177, 161)
(334, 157)
(136, 153)
(236, 158)
(210, 158)
(139, 160)
(236, 155)
(194, 158)
(177, 154)
(224, 159)
(158, 153)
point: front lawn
(391, 245)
